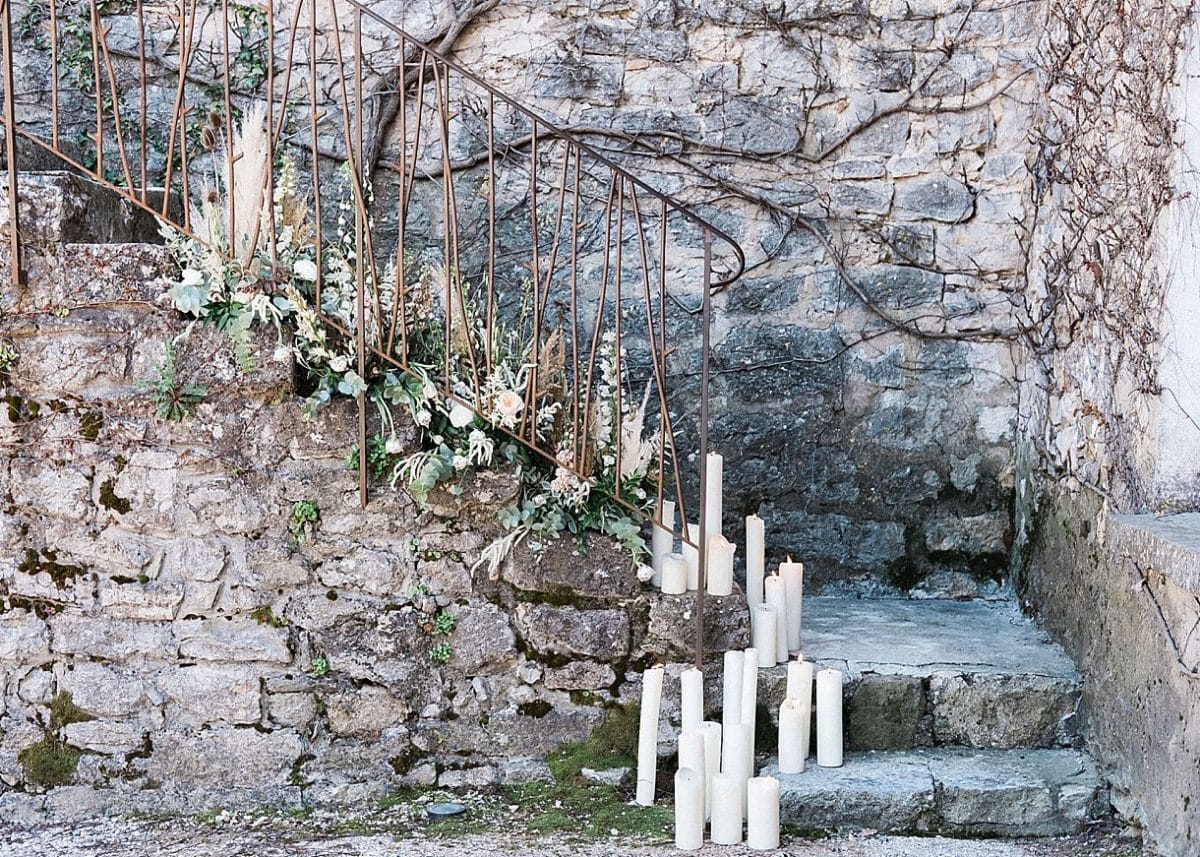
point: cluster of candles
(775, 600)
(715, 781)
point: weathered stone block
(483, 641)
(155, 601)
(100, 637)
(560, 570)
(883, 792)
(24, 638)
(598, 634)
(108, 692)
(580, 675)
(671, 632)
(364, 713)
(204, 694)
(974, 534)
(887, 712)
(234, 758)
(935, 198)
(108, 737)
(233, 640)
(373, 571)
(59, 491)
(1003, 710)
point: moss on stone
(90, 423)
(109, 498)
(613, 744)
(49, 762)
(64, 711)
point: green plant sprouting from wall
(303, 519)
(174, 399)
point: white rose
(461, 462)
(305, 269)
(509, 404)
(460, 415)
(645, 573)
(423, 418)
(393, 446)
(192, 277)
(340, 363)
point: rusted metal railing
(449, 183)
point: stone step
(954, 791)
(63, 277)
(57, 207)
(928, 673)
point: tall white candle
(691, 556)
(762, 813)
(756, 541)
(750, 703)
(647, 770)
(794, 717)
(737, 742)
(674, 574)
(662, 539)
(775, 595)
(691, 700)
(829, 718)
(720, 566)
(711, 732)
(793, 580)
(728, 791)
(689, 809)
(713, 491)
(731, 688)
(691, 751)
(763, 634)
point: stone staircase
(961, 718)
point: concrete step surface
(954, 791)
(938, 673)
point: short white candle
(727, 801)
(713, 491)
(674, 574)
(756, 541)
(691, 700)
(691, 751)
(737, 743)
(800, 687)
(829, 718)
(762, 813)
(647, 759)
(662, 539)
(763, 634)
(691, 555)
(731, 688)
(689, 809)
(750, 703)
(794, 717)
(711, 732)
(720, 566)
(793, 579)
(775, 595)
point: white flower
(460, 415)
(305, 269)
(423, 418)
(460, 462)
(480, 447)
(339, 363)
(645, 573)
(508, 405)
(438, 440)
(192, 277)
(393, 446)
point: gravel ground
(274, 837)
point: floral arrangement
(473, 385)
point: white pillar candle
(793, 580)
(731, 689)
(794, 717)
(737, 743)
(662, 539)
(829, 718)
(691, 751)
(720, 566)
(763, 634)
(691, 700)
(713, 491)
(756, 541)
(750, 703)
(800, 679)
(691, 555)
(762, 813)
(674, 574)
(728, 789)
(689, 809)
(711, 732)
(775, 595)
(647, 758)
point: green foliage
(613, 744)
(441, 653)
(8, 359)
(174, 400)
(64, 711)
(304, 518)
(444, 623)
(320, 667)
(380, 462)
(264, 616)
(49, 762)
(586, 811)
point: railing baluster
(10, 147)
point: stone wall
(1122, 593)
(172, 632)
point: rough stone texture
(984, 792)
(1085, 578)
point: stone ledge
(1170, 544)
